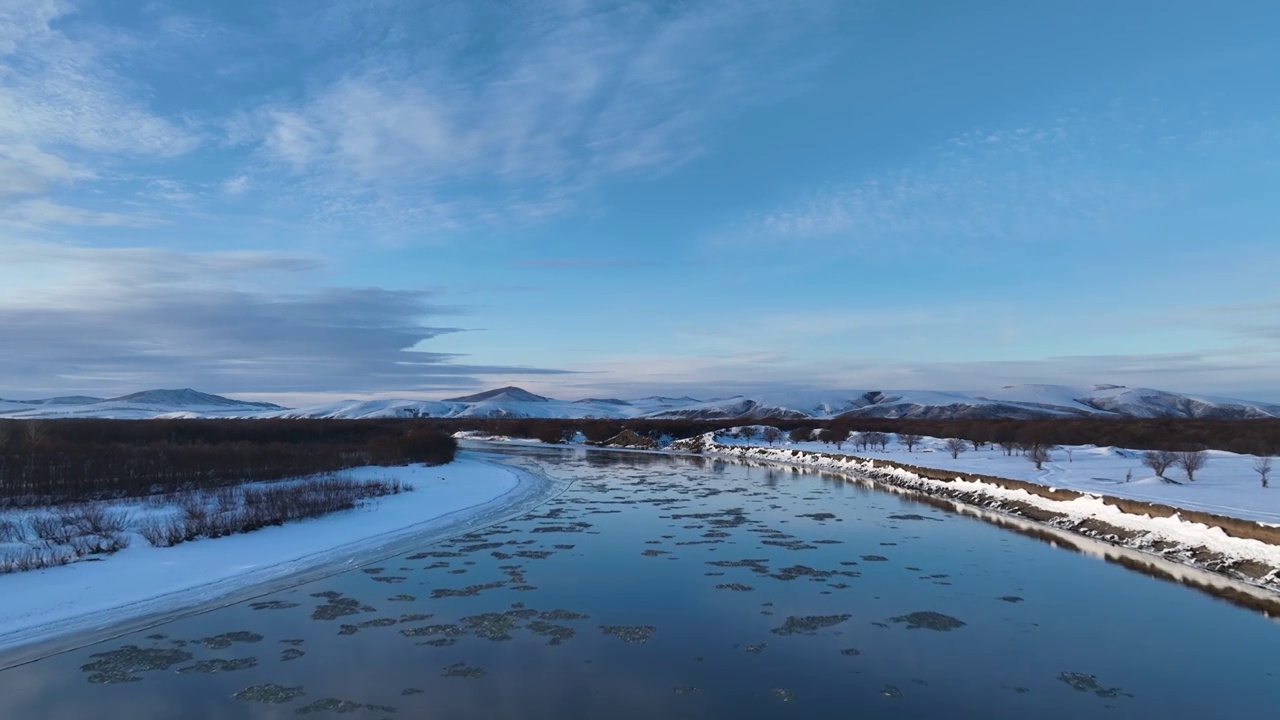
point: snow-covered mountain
(1012, 401)
(140, 406)
(507, 394)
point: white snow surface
(141, 581)
(1227, 485)
(1008, 401)
(1174, 529)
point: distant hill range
(1011, 401)
(140, 405)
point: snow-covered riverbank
(142, 581)
(1228, 485)
(1174, 537)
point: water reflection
(674, 587)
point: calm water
(663, 587)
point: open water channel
(666, 587)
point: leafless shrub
(195, 511)
(1159, 461)
(264, 506)
(1039, 455)
(1192, 460)
(910, 440)
(87, 545)
(161, 532)
(94, 519)
(152, 530)
(1262, 466)
(955, 446)
(34, 559)
(157, 500)
(771, 435)
(12, 531)
(876, 439)
(118, 541)
(52, 529)
(228, 499)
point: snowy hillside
(140, 405)
(1012, 401)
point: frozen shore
(85, 598)
(1223, 546)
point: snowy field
(141, 580)
(1227, 485)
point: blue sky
(296, 200)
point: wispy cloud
(1072, 174)
(375, 127)
(572, 94)
(236, 186)
(66, 116)
(569, 263)
(1239, 371)
(28, 170)
(43, 212)
(90, 320)
(1252, 322)
(60, 92)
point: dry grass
(214, 514)
(60, 537)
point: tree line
(1256, 437)
(47, 461)
(58, 461)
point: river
(661, 586)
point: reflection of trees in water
(599, 459)
(694, 461)
(771, 478)
(621, 459)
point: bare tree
(977, 444)
(800, 434)
(746, 432)
(839, 437)
(1159, 461)
(1262, 466)
(1008, 447)
(909, 440)
(771, 435)
(1192, 460)
(1038, 454)
(1070, 456)
(955, 446)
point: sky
(304, 200)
